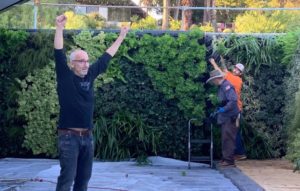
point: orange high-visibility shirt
(237, 83)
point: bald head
(79, 61)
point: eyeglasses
(81, 61)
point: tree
(209, 16)
(268, 21)
(166, 14)
(187, 16)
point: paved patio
(164, 175)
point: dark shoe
(226, 164)
(240, 157)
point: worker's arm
(214, 64)
(224, 68)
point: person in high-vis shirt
(235, 78)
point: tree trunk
(214, 16)
(210, 16)
(187, 15)
(166, 14)
(177, 10)
(206, 15)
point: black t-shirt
(76, 94)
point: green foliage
(38, 103)
(95, 21)
(11, 41)
(289, 43)
(175, 66)
(294, 133)
(77, 21)
(262, 97)
(18, 17)
(143, 160)
(260, 21)
(256, 22)
(136, 94)
(124, 136)
(10, 133)
(146, 23)
(18, 58)
(207, 28)
(292, 110)
(250, 51)
(153, 86)
(175, 24)
(22, 17)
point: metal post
(189, 143)
(211, 146)
(35, 12)
(182, 18)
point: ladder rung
(200, 158)
(200, 141)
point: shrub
(123, 136)
(136, 96)
(38, 103)
(175, 67)
(147, 23)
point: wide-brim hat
(215, 74)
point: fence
(42, 16)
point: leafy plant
(38, 103)
(146, 23)
(252, 52)
(289, 43)
(136, 94)
(175, 24)
(293, 113)
(257, 22)
(175, 66)
(19, 57)
(124, 136)
(294, 134)
(207, 27)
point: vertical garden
(153, 86)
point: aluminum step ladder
(200, 142)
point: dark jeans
(239, 145)
(76, 161)
(228, 135)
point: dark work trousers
(229, 131)
(76, 160)
(240, 149)
(239, 142)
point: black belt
(74, 132)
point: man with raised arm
(76, 100)
(235, 78)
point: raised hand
(124, 31)
(61, 21)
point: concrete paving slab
(238, 178)
(162, 175)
